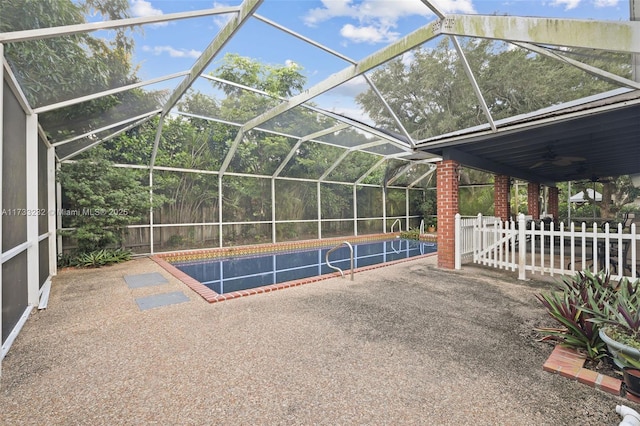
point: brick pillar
(533, 200)
(501, 197)
(447, 201)
(553, 202)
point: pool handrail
(399, 222)
(336, 248)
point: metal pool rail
(350, 255)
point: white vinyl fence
(526, 245)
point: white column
(151, 211)
(384, 211)
(31, 177)
(458, 242)
(273, 212)
(220, 210)
(1, 186)
(51, 209)
(406, 210)
(355, 209)
(319, 213)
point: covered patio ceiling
(588, 139)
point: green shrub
(578, 304)
(94, 259)
(102, 201)
(410, 234)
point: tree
(616, 192)
(100, 201)
(61, 68)
(431, 95)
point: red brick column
(553, 202)
(501, 197)
(447, 201)
(533, 200)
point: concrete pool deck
(404, 344)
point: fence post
(458, 242)
(522, 247)
(477, 239)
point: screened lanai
(248, 123)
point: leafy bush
(623, 324)
(587, 302)
(101, 201)
(578, 305)
(410, 234)
(94, 259)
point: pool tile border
(211, 296)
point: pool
(234, 274)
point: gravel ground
(405, 344)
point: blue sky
(355, 28)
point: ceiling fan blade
(562, 162)
(538, 164)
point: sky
(354, 28)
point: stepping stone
(145, 280)
(158, 300)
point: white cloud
(290, 63)
(368, 34)
(568, 4)
(173, 52)
(407, 58)
(572, 4)
(221, 20)
(352, 112)
(376, 19)
(351, 88)
(142, 8)
(606, 3)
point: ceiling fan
(550, 157)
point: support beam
(382, 99)
(533, 200)
(501, 206)
(484, 164)
(51, 209)
(429, 173)
(474, 83)
(405, 44)
(31, 176)
(596, 72)
(226, 33)
(293, 151)
(51, 32)
(634, 15)
(435, 9)
(447, 207)
(81, 99)
(615, 36)
(3, 67)
(345, 154)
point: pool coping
(212, 297)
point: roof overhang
(596, 136)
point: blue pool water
(231, 274)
